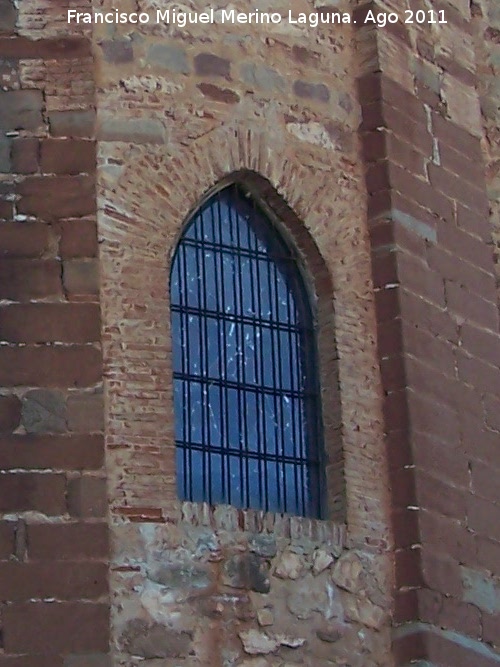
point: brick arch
(142, 206)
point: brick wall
(54, 551)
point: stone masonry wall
(53, 529)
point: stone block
(312, 91)
(75, 123)
(246, 571)
(117, 51)
(68, 156)
(155, 640)
(10, 413)
(86, 413)
(20, 110)
(25, 156)
(131, 130)
(87, 497)
(262, 77)
(168, 57)
(81, 276)
(54, 197)
(8, 16)
(44, 411)
(207, 64)
(5, 150)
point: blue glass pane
(245, 397)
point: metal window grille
(246, 395)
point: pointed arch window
(246, 389)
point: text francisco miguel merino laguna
(182, 19)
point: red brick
(87, 497)
(56, 627)
(24, 280)
(68, 156)
(49, 322)
(23, 239)
(441, 574)
(62, 580)
(7, 539)
(68, 541)
(44, 493)
(427, 348)
(10, 413)
(78, 238)
(59, 452)
(405, 527)
(55, 197)
(25, 156)
(78, 366)
(460, 617)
